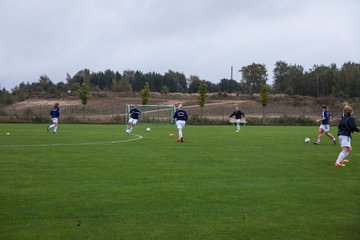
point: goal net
(152, 113)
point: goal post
(152, 113)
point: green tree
(139, 81)
(76, 81)
(129, 75)
(5, 97)
(194, 84)
(83, 93)
(175, 81)
(202, 97)
(212, 87)
(155, 80)
(296, 76)
(164, 90)
(332, 101)
(115, 85)
(22, 92)
(45, 83)
(253, 76)
(350, 79)
(124, 85)
(229, 85)
(281, 76)
(264, 97)
(288, 78)
(145, 94)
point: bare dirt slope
(109, 104)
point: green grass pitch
(96, 182)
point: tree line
(289, 79)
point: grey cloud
(203, 37)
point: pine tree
(145, 94)
(202, 97)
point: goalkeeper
(238, 114)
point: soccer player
(134, 118)
(325, 125)
(238, 114)
(346, 127)
(181, 117)
(54, 115)
(345, 105)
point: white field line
(138, 137)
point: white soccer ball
(307, 140)
(127, 131)
(148, 129)
(7, 133)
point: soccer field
(96, 182)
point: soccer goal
(152, 113)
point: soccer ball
(148, 129)
(127, 131)
(307, 140)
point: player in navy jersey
(54, 115)
(134, 118)
(238, 114)
(346, 127)
(181, 117)
(325, 125)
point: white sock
(341, 156)
(55, 129)
(238, 126)
(51, 126)
(180, 133)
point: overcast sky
(195, 37)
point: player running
(181, 117)
(325, 125)
(238, 114)
(134, 118)
(54, 115)
(346, 127)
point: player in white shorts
(134, 118)
(181, 117)
(325, 125)
(54, 115)
(238, 114)
(346, 127)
